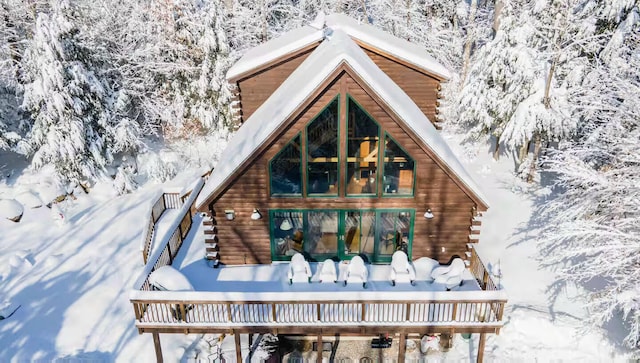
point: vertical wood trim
(402, 347)
(480, 357)
(303, 160)
(342, 152)
(156, 344)
(319, 356)
(236, 337)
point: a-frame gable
(319, 70)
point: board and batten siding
(254, 89)
(243, 240)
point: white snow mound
(168, 278)
(11, 209)
(29, 199)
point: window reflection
(398, 169)
(362, 151)
(322, 152)
(286, 172)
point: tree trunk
(497, 11)
(469, 42)
(496, 151)
(524, 151)
(547, 87)
(537, 145)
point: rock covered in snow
(29, 199)
(11, 209)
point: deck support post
(402, 347)
(156, 344)
(319, 356)
(483, 337)
(236, 337)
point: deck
(259, 298)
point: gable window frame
(376, 192)
(300, 166)
(306, 156)
(384, 164)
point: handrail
(420, 312)
(170, 245)
(481, 273)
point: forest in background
(86, 85)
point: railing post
(273, 312)
(318, 312)
(362, 312)
(169, 250)
(407, 313)
(228, 312)
(485, 278)
(454, 312)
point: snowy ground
(72, 281)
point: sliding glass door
(342, 234)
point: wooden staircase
(211, 241)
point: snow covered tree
(201, 89)
(593, 222)
(65, 98)
(501, 77)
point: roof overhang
(337, 53)
(308, 37)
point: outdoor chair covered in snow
(356, 272)
(424, 266)
(450, 276)
(299, 269)
(401, 269)
(328, 271)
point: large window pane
(322, 233)
(360, 233)
(394, 232)
(286, 171)
(398, 170)
(322, 152)
(288, 236)
(362, 151)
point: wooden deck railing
(165, 201)
(170, 246)
(481, 273)
(484, 312)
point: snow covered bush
(159, 170)
(124, 181)
(11, 209)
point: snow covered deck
(259, 298)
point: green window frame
(397, 186)
(361, 177)
(277, 180)
(317, 184)
(323, 233)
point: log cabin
(338, 155)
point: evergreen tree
(65, 98)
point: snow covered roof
(337, 49)
(298, 39)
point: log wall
(243, 240)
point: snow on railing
(480, 272)
(201, 309)
(172, 241)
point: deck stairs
(211, 241)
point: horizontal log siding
(253, 91)
(247, 241)
(422, 88)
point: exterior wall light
(256, 215)
(428, 214)
(230, 214)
